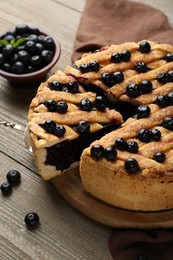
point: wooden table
(64, 233)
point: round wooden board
(70, 187)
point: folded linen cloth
(106, 22)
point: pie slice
(64, 119)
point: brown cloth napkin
(141, 245)
(106, 22)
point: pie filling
(63, 154)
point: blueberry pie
(77, 114)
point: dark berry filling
(144, 47)
(159, 157)
(63, 154)
(131, 165)
(143, 111)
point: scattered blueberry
(125, 55)
(49, 126)
(94, 66)
(59, 131)
(31, 220)
(55, 85)
(51, 105)
(162, 101)
(170, 98)
(6, 188)
(13, 177)
(162, 78)
(144, 135)
(117, 77)
(116, 57)
(84, 68)
(169, 57)
(168, 123)
(73, 87)
(106, 78)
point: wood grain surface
(64, 233)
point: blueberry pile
(13, 178)
(25, 49)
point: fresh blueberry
(7, 50)
(115, 57)
(162, 101)
(168, 123)
(49, 42)
(49, 126)
(97, 152)
(110, 153)
(121, 144)
(84, 68)
(6, 188)
(141, 67)
(55, 85)
(169, 57)
(106, 78)
(6, 67)
(2, 59)
(133, 90)
(159, 157)
(100, 103)
(61, 107)
(162, 78)
(23, 56)
(21, 29)
(13, 177)
(35, 61)
(132, 147)
(131, 165)
(33, 37)
(40, 47)
(59, 131)
(117, 77)
(51, 105)
(94, 66)
(143, 111)
(144, 135)
(18, 67)
(31, 220)
(85, 104)
(30, 46)
(155, 134)
(146, 86)
(47, 56)
(170, 98)
(144, 47)
(125, 55)
(83, 127)
(73, 87)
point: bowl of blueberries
(27, 54)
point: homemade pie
(130, 166)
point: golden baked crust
(39, 114)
